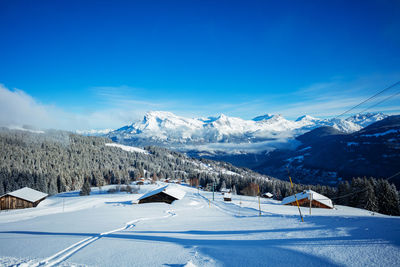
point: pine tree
(388, 198)
(368, 197)
(223, 185)
(85, 191)
(234, 190)
(343, 190)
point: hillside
(325, 154)
(107, 230)
(57, 161)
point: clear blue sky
(199, 58)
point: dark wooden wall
(9, 202)
(306, 203)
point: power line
(365, 189)
(374, 105)
(372, 97)
(356, 106)
(395, 94)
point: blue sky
(102, 64)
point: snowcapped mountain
(366, 119)
(228, 134)
(325, 154)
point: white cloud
(18, 108)
(119, 106)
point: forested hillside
(58, 161)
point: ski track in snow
(69, 251)
(199, 243)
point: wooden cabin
(304, 198)
(166, 194)
(22, 198)
(227, 196)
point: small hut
(165, 194)
(304, 198)
(267, 195)
(227, 197)
(22, 198)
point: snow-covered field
(107, 230)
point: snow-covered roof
(306, 194)
(175, 192)
(268, 194)
(172, 191)
(28, 194)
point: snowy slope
(172, 131)
(128, 148)
(94, 132)
(107, 230)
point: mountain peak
(366, 118)
(159, 114)
(222, 117)
(167, 129)
(305, 118)
(267, 117)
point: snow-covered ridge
(94, 132)
(167, 129)
(25, 128)
(128, 148)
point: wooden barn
(166, 194)
(22, 198)
(304, 198)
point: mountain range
(326, 155)
(227, 135)
(315, 150)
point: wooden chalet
(166, 194)
(227, 196)
(304, 198)
(22, 198)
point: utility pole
(310, 199)
(240, 204)
(298, 206)
(259, 201)
(213, 189)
